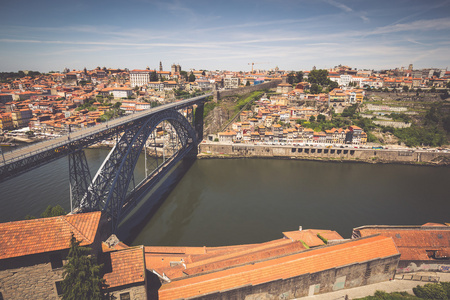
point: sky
(49, 35)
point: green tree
(312, 119)
(184, 75)
(333, 85)
(298, 77)
(191, 77)
(153, 76)
(315, 88)
(82, 274)
(433, 89)
(291, 78)
(247, 83)
(53, 211)
(321, 118)
(318, 76)
(430, 291)
(405, 88)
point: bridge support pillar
(198, 122)
(79, 177)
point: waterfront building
(6, 121)
(227, 137)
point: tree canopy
(82, 274)
(319, 77)
(153, 76)
(191, 77)
(50, 211)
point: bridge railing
(10, 157)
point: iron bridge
(177, 127)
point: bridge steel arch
(109, 188)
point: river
(235, 201)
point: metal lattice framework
(79, 176)
(109, 190)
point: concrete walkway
(387, 286)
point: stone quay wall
(244, 90)
(217, 150)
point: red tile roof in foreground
(47, 234)
(128, 267)
(426, 242)
(281, 267)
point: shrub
(431, 291)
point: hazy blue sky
(291, 34)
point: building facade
(139, 77)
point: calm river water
(224, 202)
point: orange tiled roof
(47, 234)
(288, 266)
(128, 266)
(414, 241)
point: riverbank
(329, 154)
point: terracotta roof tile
(47, 234)
(288, 266)
(413, 242)
(128, 266)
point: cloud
(339, 5)
(348, 9)
(420, 25)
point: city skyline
(293, 35)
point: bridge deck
(34, 149)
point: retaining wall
(323, 153)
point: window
(125, 296)
(59, 289)
(56, 261)
(386, 268)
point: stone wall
(245, 90)
(323, 153)
(316, 283)
(393, 124)
(30, 277)
(409, 266)
(136, 292)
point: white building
(122, 92)
(139, 77)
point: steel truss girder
(50, 153)
(109, 187)
(79, 176)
